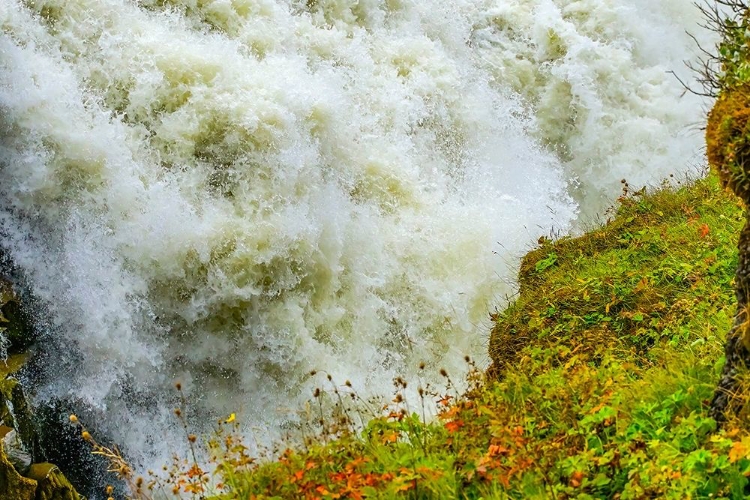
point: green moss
(659, 273)
(728, 139)
(52, 484)
(13, 364)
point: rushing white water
(235, 192)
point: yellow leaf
(231, 418)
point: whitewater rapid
(233, 193)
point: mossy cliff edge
(657, 276)
(728, 151)
(603, 371)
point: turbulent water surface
(235, 192)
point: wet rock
(51, 483)
(16, 452)
(21, 425)
(12, 484)
(16, 413)
(16, 331)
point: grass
(603, 369)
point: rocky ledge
(24, 474)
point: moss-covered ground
(603, 368)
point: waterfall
(232, 193)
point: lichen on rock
(728, 139)
(12, 484)
(51, 483)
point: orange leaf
(576, 478)
(405, 486)
(703, 230)
(737, 452)
(497, 449)
(454, 425)
(356, 463)
(391, 437)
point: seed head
(86, 436)
(178, 386)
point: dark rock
(16, 413)
(15, 324)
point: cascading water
(235, 192)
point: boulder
(15, 412)
(12, 484)
(16, 452)
(51, 483)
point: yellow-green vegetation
(603, 369)
(659, 274)
(728, 150)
